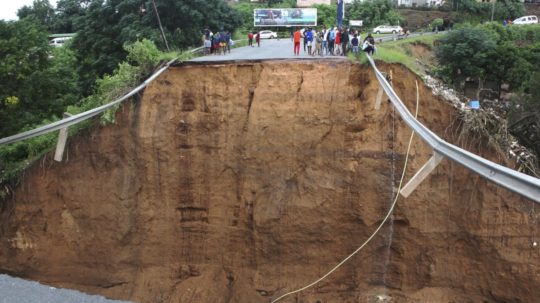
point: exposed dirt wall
(237, 182)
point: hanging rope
(376, 230)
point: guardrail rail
(515, 181)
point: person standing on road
(228, 40)
(304, 37)
(309, 38)
(344, 41)
(331, 39)
(258, 39)
(315, 44)
(337, 47)
(250, 39)
(296, 37)
(354, 43)
(324, 41)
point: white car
(268, 34)
(387, 29)
(58, 42)
(526, 20)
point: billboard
(309, 3)
(285, 17)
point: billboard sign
(285, 17)
(356, 22)
(309, 3)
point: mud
(238, 182)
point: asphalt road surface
(15, 290)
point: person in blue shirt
(331, 39)
(354, 43)
(309, 38)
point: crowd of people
(316, 42)
(333, 42)
(218, 43)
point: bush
(143, 56)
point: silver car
(268, 34)
(387, 29)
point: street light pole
(160, 27)
(492, 9)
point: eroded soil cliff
(238, 182)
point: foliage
(472, 10)
(401, 52)
(374, 13)
(67, 15)
(36, 81)
(463, 53)
(63, 19)
(107, 25)
(41, 12)
(436, 23)
(326, 15)
(504, 54)
(511, 57)
(143, 56)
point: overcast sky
(9, 8)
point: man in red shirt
(250, 39)
(297, 37)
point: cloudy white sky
(9, 8)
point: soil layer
(239, 182)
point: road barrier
(515, 181)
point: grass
(402, 51)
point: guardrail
(82, 116)
(515, 181)
(91, 113)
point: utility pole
(160, 27)
(492, 9)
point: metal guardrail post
(61, 143)
(421, 174)
(510, 179)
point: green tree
(505, 65)
(67, 14)
(326, 15)
(107, 25)
(41, 12)
(374, 13)
(24, 49)
(463, 53)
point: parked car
(57, 42)
(268, 34)
(387, 29)
(526, 20)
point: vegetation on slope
(39, 83)
(503, 57)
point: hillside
(418, 19)
(237, 182)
